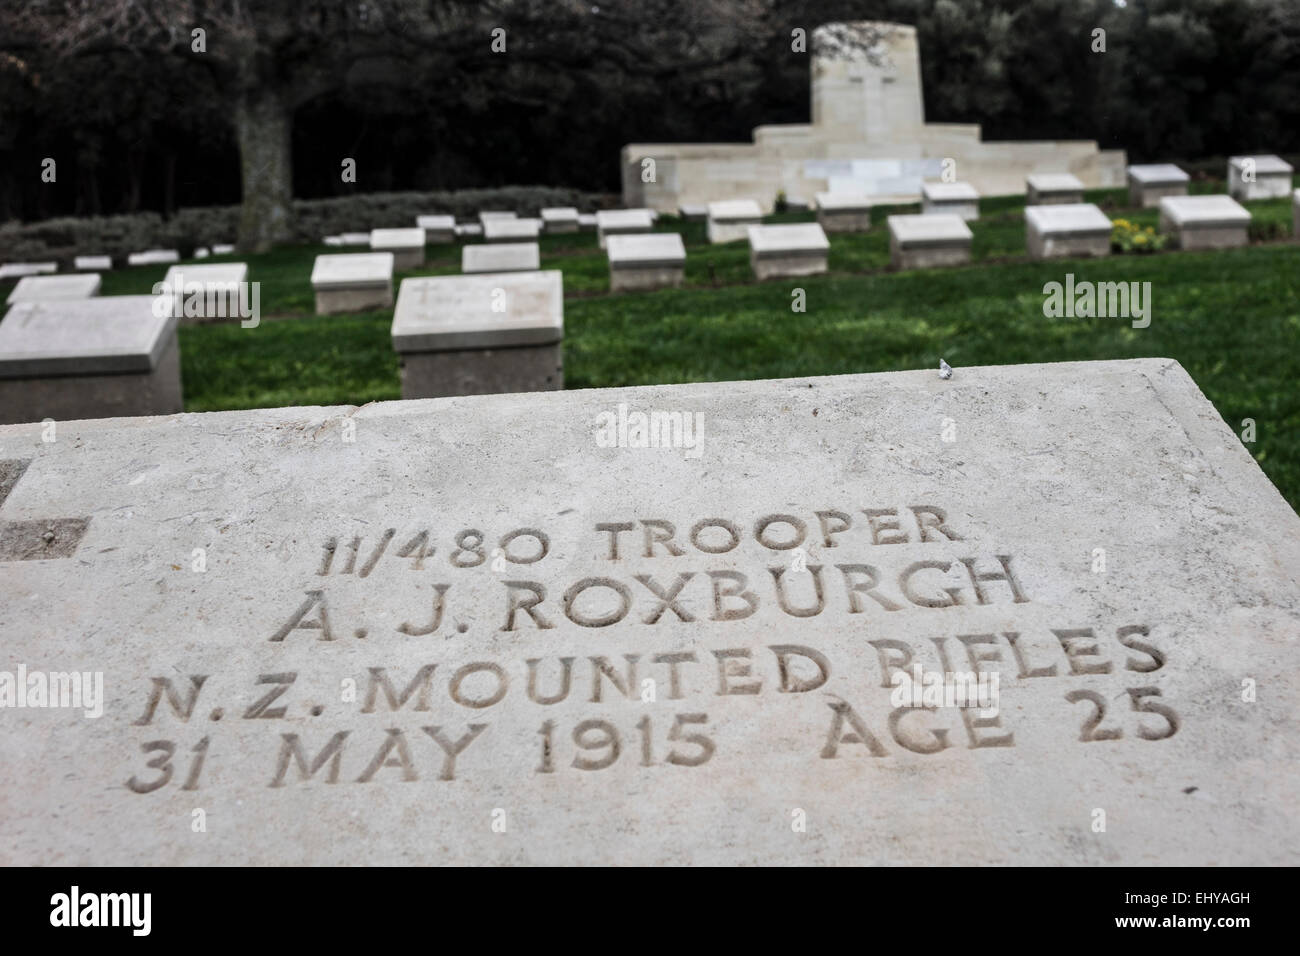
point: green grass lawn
(1231, 318)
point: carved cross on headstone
(38, 540)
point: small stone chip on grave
(501, 257)
(511, 230)
(13, 270)
(654, 625)
(956, 199)
(1050, 188)
(844, 212)
(406, 245)
(1152, 182)
(152, 257)
(560, 219)
(1259, 177)
(799, 249)
(480, 334)
(1066, 231)
(1204, 222)
(210, 292)
(622, 222)
(101, 357)
(928, 240)
(92, 263)
(55, 288)
(649, 261)
(353, 282)
(729, 219)
(437, 229)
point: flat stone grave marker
(694, 212)
(1149, 183)
(1047, 188)
(843, 212)
(1259, 177)
(201, 253)
(469, 229)
(510, 630)
(560, 219)
(92, 263)
(437, 229)
(587, 221)
(153, 257)
(488, 216)
(649, 261)
(355, 239)
(406, 245)
(225, 250)
(1065, 231)
(1204, 222)
(99, 357)
(511, 230)
(730, 219)
(799, 249)
(12, 270)
(353, 282)
(955, 199)
(56, 287)
(501, 257)
(210, 292)
(622, 222)
(480, 334)
(928, 240)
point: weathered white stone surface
(92, 263)
(928, 240)
(437, 223)
(729, 219)
(958, 199)
(1214, 210)
(511, 230)
(391, 240)
(308, 593)
(1259, 177)
(501, 257)
(104, 334)
(439, 313)
(11, 270)
(610, 222)
(1057, 231)
(487, 216)
(644, 251)
(151, 257)
(1043, 188)
(793, 238)
(560, 218)
(56, 287)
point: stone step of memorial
(501, 257)
(100, 357)
(1044, 189)
(353, 282)
(798, 249)
(1204, 222)
(955, 199)
(1259, 177)
(844, 212)
(56, 287)
(1040, 615)
(1066, 231)
(480, 334)
(928, 240)
(653, 260)
(729, 219)
(406, 246)
(1150, 183)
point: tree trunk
(264, 125)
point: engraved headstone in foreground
(569, 628)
